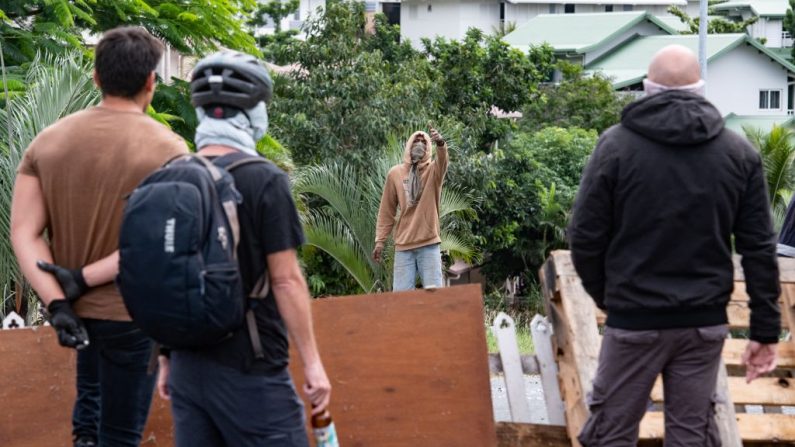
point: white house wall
(773, 29)
(449, 19)
(522, 12)
(735, 79)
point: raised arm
(442, 156)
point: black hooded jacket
(651, 232)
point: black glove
(70, 330)
(72, 282)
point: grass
(523, 339)
(521, 309)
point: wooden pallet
(576, 339)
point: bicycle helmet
(230, 78)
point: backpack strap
(229, 206)
(262, 287)
(260, 292)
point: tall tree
(275, 46)
(190, 26)
(715, 25)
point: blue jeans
(218, 406)
(114, 391)
(427, 261)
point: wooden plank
(522, 435)
(724, 411)
(733, 350)
(541, 331)
(788, 305)
(786, 268)
(754, 428)
(505, 332)
(762, 391)
(571, 312)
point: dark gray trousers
(217, 406)
(629, 363)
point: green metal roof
(579, 33)
(627, 64)
(764, 123)
(675, 23)
(761, 8)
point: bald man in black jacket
(651, 237)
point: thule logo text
(171, 225)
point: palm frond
(332, 236)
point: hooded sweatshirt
(418, 225)
(659, 202)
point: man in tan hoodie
(416, 187)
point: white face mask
(652, 88)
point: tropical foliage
(715, 25)
(528, 186)
(572, 102)
(778, 155)
(190, 26)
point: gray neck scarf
(240, 132)
(415, 186)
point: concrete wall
(735, 79)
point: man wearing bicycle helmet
(225, 395)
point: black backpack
(178, 271)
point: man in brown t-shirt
(71, 185)
(416, 187)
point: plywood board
(407, 369)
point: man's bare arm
(29, 220)
(292, 298)
(102, 271)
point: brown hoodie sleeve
(386, 212)
(440, 164)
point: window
(553, 8)
(502, 12)
(392, 12)
(770, 99)
(568, 8)
(628, 8)
(608, 8)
